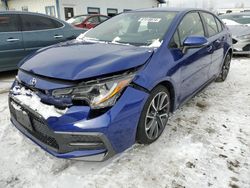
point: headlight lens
(97, 94)
(244, 37)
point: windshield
(236, 19)
(134, 28)
(76, 20)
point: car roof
(88, 15)
(21, 12)
(30, 13)
(164, 9)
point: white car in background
(239, 25)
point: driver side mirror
(194, 42)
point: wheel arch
(230, 51)
(170, 88)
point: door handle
(58, 36)
(218, 41)
(210, 48)
(12, 40)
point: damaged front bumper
(74, 135)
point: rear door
(11, 45)
(194, 64)
(40, 31)
(216, 40)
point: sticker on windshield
(150, 20)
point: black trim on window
(112, 9)
(89, 12)
(202, 15)
(177, 27)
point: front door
(11, 45)
(194, 63)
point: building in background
(3, 5)
(65, 9)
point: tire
(224, 69)
(154, 116)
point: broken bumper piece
(92, 146)
(73, 133)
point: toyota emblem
(33, 82)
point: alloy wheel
(157, 115)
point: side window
(220, 27)
(57, 24)
(8, 23)
(191, 25)
(210, 24)
(33, 22)
(175, 42)
(93, 20)
(103, 18)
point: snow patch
(30, 99)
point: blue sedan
(116, 84)
(22, 33)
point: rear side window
(8, 23)
(103, 18)
(33, 23)
(219, 24)
(211, 24)
(57, 24)
(94, 20)
(191, 25)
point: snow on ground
(207, 144)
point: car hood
(80, 60)
(239, 30)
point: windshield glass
(76, 20)
(238, 18)
(134, 28)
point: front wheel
(154, 116)
(225, 69)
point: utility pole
(167, 3)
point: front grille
(41, 130)
(246, 48)
(61, 143)
(41, 134)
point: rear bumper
(95, 139)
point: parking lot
(206, 144)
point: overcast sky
(212, 3)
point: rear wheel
(225, 69)
(154, 116)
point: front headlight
(98, 94)
(244, 37)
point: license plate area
(22, 116)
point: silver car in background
(239, 25)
